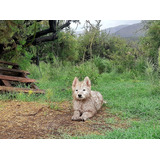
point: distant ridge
(113, 30)
(133, 31)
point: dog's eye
(84, 90)
(76, 89)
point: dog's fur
(86, 103)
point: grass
(133, 99)
(138, 130)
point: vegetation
(126, 73)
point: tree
(89, 38)
(26, 33)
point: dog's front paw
(75, 118)
(82, 118)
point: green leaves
(151, 41)
(22, 42)
(19, 48)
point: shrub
(85, 69)
(149, 71)
(66, 46)
(64, 71)
(151, 41)
(103, 65)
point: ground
(30, 120)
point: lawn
(132, 110)
(135, 101)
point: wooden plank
(13, 70)
(32, 85)
(25, 90)
(6, 83)
(9, 63)
(19, 79)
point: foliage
(159, 59)
(18, 36)
(15, 41)
(66, 47)
(108, 52)
(103, 64)
(93, 42)
(64, 71)
(86, 69)
(6, 31)
(111, 51)
(151, 41)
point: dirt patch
(29, 120)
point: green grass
(138, 130)
(133, 99)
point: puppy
(86, 103)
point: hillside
(135, 30)
(113, 30)
(127, 31)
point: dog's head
(81, 90)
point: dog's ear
(87, 81)
(74, 82)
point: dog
(86, 103)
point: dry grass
(29, 120)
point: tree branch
(65, 25)
(45, 39)
(43, 32)
(53, 29)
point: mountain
(113, 30)
(133, 31)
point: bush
(66, 47)
(151, 41)
(140, 65)
(149, 71)
(103, 65)
(85, 69)
(64, 71)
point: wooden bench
(14, 74)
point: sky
(106, 23)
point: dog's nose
(79, 95)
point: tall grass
(64, 71)
(56, 77)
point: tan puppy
(86, 103)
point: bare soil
(31, 120)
